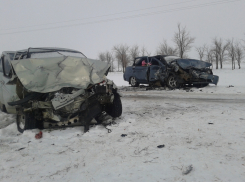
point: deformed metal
(56, 85)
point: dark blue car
(169, 70)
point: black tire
(133, 82)
(173, 82)
(98, 118)
(115, 109)
(26, 121)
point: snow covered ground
(201, 131)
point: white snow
(203, 133)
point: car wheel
(115, 109)
(98, 118)
(172, 82)
(133, 82)
(25, 121)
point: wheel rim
(133, 81)
(21, 121)
(172, 82)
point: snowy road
(188, 97)
(202, 130)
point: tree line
(216, 53)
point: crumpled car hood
(187, 63)
(51, 74)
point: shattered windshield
(171, 58)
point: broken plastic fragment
(187, 170)
(160, 146)
(39, 135)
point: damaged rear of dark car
(171, 71)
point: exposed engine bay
(192, 74)
(68, 105)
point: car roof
(8, 52)
(31, 49)
(154, 56)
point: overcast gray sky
(95, 26)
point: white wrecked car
(55, 86)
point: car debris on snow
(39, 135)
(21, 149)
(187, 170)
(160, 146)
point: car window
(138, 61)
(11, 56)
(154, 62)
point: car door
(139, 71)
(157, 70)
(8, 91)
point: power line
(128, 17)
(99, 16)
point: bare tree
(210, 55)
(109, 59)
(232, 52)
(102, 57)
(220, 49)
(239, 53)
(144, 52)
(121, 54)
(134, 52)
(201, 51)
(165, 49)
(183, 41)
(216, 55)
